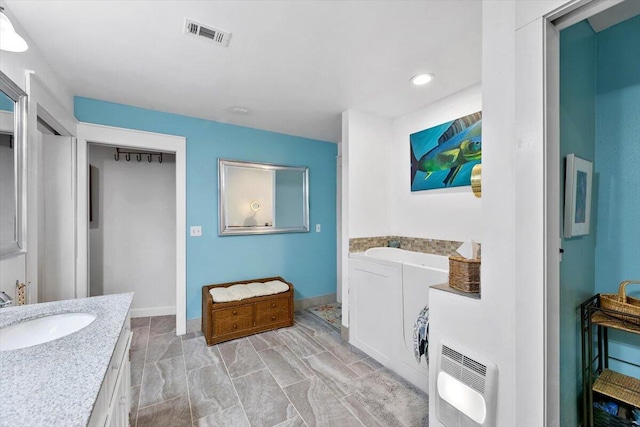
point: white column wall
(369, 177)
(445, 214)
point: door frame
(538, 190)
(113, 136)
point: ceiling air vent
(212, 34)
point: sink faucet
(5, 300)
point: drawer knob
(273, 317)
(273, 305)
(235, 326)
(235, 311)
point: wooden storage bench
(223, 321)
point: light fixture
(240, 110)
(255, 206)
(421, 79)
(9, 39)
(476, 180)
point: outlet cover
(196, 230)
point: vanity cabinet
(597, 377)
(114, 400)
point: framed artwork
(444, 155)
(577, 196)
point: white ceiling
(614, 15)
(296, 65)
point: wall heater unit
(466, 387)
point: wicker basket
(623, 304)
(464, 274)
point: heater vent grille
(209, 33)
(463, 368)
(451, 354)
(466, 387)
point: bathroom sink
(43, 329)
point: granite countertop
(57, 383)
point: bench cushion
(250, 290)
(222, 295)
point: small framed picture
(577, 196)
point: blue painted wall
(6, 103)
(308, 260)
(577, 135)
(618, 165)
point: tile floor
(299, 376)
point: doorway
(132, 220)
(113, 138)
(561, 325)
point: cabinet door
(120, 403)
(374, 303)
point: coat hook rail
(138, 155)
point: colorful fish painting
(443, 156)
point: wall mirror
(260, 198)
(13, 113)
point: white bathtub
(387, 289)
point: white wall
(369, 178)
(489, 328)
(28, 69)
(380, 200)
(57, 236)
(135, 230)
(445, 214)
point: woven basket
(464, 274)
(623, 304)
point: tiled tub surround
(415, 244)
(304, 375)
(57, 383)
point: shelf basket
(622, 304)
(464, 274)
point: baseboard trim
(344, 333)
(153, 311)
(304, 303)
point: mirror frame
(224, 230)
(19, 97)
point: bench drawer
(274, 311)
(233, 319)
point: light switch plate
(196, 230)
(318, 228)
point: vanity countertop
(57, 383)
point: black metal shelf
(596, 375)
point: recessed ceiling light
(240, 110)
(421, 79)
